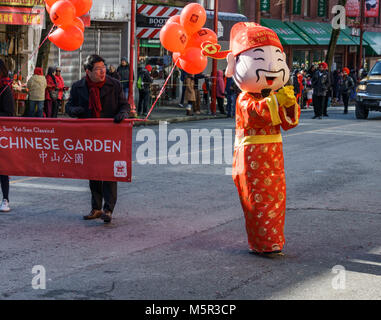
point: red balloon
(201, 36)
(174, 19)
(193, 61)
(173, 37)
(175, 56)
(68, 39)
(79, 23)
(62, 13)
(50, 2)
(82, 6)
(193, 17)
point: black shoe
(106, 216)
(271, 254)
(94, 214)
(314, 117)
(325, 115)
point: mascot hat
(248, 35)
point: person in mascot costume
(257, 64)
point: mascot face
(259, 69)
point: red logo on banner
(371, 8)
(94, 149)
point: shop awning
(286, 35)
(374, 41)
(151, 18)
(300, 32)
(343, 38)
(315, 31)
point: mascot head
(257, 61)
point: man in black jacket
(98, 96)
(124, 73)
(320, 83)
(144, 85)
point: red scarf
(94, 96)
(5, 82)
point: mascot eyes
(259, 59)
(280, 59)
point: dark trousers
(220, 103)
(325, 105)
(318, 102)
(5, 186)
(345, 101)
(51, 108)
(103, 190)
(143, 101)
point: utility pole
(132, 55)
(214, 69)
(258, 11)
(362, 7)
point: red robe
(258, 168)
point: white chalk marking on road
(366, 262)
(51, 187)
(21, 180)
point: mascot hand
(286, 96)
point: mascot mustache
(267, 71)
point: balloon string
(32, 55)
(160, 93)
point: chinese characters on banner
(322, 8)
(22, 3)
(94, 149)
(265, 5)
(371, 8)
(297, 7)
(22, 16)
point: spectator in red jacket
(51, 94)
(61, 88)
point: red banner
(94, 149)
(371, 8)
(22, 16)
(352, 8)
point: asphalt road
(178, 229)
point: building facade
(304, 27)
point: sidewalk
(173, 113)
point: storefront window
(301, 59)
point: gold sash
(260, 139)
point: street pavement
(178, 230)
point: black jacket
(146, 79)
(7, 103)
(112, 99)
(320, 83)
(346, 84)
(124, 72)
